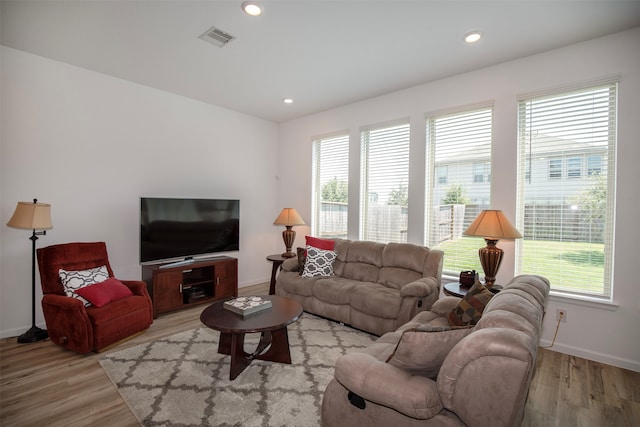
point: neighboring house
(567, 173)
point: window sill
(583, 301)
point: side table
(456, 289)
(276, 261)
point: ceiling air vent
(217, 36)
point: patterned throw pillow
(319, 262)
(470, 308)
(76, 279)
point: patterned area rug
(183, 381)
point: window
(574, 167)
(478, 173)
(330, 187)
(459, 143)
(594, 165)
(385, 178)
(441, 171)
(568, 228)
(555, 168)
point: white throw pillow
(76, 279)
(319, 262)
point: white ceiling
(323, 54)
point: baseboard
(15, 332)
(632, 365)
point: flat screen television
(181, 229)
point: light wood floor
(43, 384)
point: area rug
(183, 381)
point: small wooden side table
(456, 289)
(276, 261)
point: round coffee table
(272, 323)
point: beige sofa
(375, 287)
(475, 377)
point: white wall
(91, 145)
(606, 333)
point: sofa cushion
(376, 300)
(319, 262)
(396, 277)
(470, 308)
(422, 350)
(334, 290)
(73, 280)
(104, 292)
(402, 263)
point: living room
(92, 144)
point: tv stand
(185, 261)
(190, 282)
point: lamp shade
(31, 216)
(289, 217)
(492, 224)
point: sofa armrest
(444, 305)
(67, 322)
(420, 288)
(491, 369)
(138, 287)
(290, 264)
(378, 382)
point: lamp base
(288, 255)
(34, 334)
(490, 259)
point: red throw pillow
(326, 244)
(105, 292)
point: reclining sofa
(374, 287)
(427, 374)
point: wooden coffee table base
(271, 323)
(273, 347)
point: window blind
(566, 193)
(459, 149)
(330, 187)
(385, 183)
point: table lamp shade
(492, 225)
(31, 216)
(288, 217)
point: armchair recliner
(478, 378)
(85, 329)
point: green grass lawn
(568, 265)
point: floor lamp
(32, 216)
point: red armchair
(85, 329)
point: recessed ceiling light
(287, 100)
(472, 36)
(252, 8)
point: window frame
(600, 125)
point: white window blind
(385, 184)
(330, 187)
(459, 143)
(566, 202)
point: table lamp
(32, 216)
(493, 226)
(288, 217)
